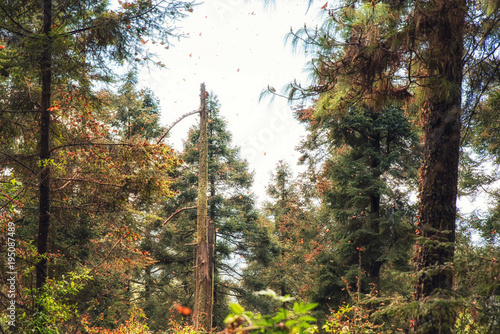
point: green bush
(295, 319)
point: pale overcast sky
(237, 48)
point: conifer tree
(138, 112)
(369, 163)
(106, 189)
(478, 245)
(431, 54)
(289, 262)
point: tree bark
(443, 64)
(204, 261)
(375, 267)
(212, 210)
(44, 186)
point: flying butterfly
(185, 311)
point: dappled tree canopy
(102, 221)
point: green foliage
(133, 325)
(137, 112)
(294, 319)
(106, 191)
(289, 261)
(362, 182)
(477, 282)
(178, 328)
(466, 324)
(350, 320)
(121, 208)
(57, 307)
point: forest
(106, 228)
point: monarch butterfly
(185, 311)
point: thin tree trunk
(211, 266)
(212, 212)
(44, 187)
(204, 273)
(374, 268)
(439, 171)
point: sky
(237, 48)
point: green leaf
(236, 308)
(303, 307)
(285, 299)
(307, 318)
(280, 316)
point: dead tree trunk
(204, 252)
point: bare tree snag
(204, 252)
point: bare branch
(106, 257)
(92, 144)
(19, 162)
(175, 122)
(177, 212)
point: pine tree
(363, 185)
(417, 51)
(478, 245)
(52, 56)
(138, 112)
(105, 191)
(289, 262)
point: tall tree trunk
(44, 187)
(211, 267)
(212, 214)
(374, 268)
(445, 20)
(204, 272)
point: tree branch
(177, 212)
(19, 162)
(16, 23)
(93, 144)
(106, 257)
(75, 179)
(175, 122)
